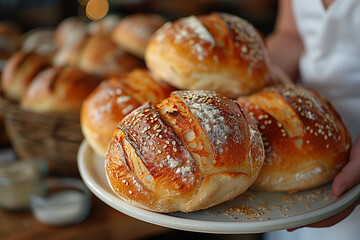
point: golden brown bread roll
(101, 56)
(39, 40)
(104, 26)
(134, 32)
(112, 100)
(97, 55)
(219, 52)
(19, 71)
(69, 54)
(305, 141)
(193, 150)
(70, 29)
(58, 89)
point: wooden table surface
(103, 222)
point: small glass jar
(61, 201)
(17, 180)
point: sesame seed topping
(125, 182)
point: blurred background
(29, 14)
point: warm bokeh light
(96, 9)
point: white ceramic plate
(252, 212)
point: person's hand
(345, 180)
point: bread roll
(69, 54)
(58, 89)
(19, 71)
(193, 150)
(39, 40)
(134, 32)
(219, 52)
(306, 143)
(101, 56)
(104, 26)
(112, 100)
(70, 29)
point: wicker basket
(52, 137)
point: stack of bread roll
(115, 52)
(106, 47)
(29, 79)
(40, 104)
(74, 49)
(235, 122)
(47, 77)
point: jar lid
(60, 201)
(22, 170)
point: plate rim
(165, 220)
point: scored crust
(306, 143)
(219, 52)
(167, 157)
(58, 89)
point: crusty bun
(19, 71)
(70, 29)
(112, 100)
(306, 143)
(101, 56)
(69, 54)
(193, 150)
(134, 32)
(218, 52)
(58, 89)
(39, 40)
(104, 26)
